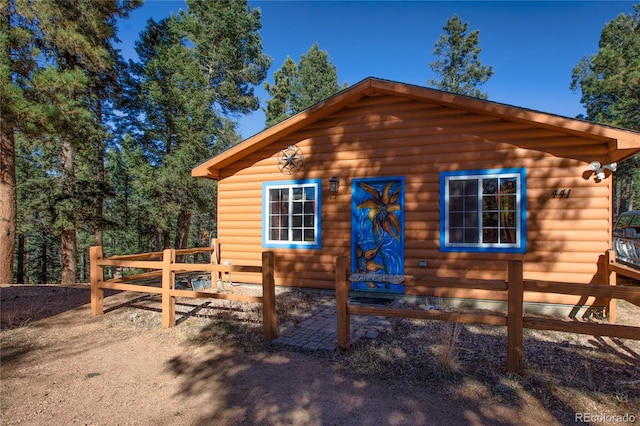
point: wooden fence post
(515, 320)
(96, 273)
(269, 321)
(612, 279)
(215, 260)
(342, 302)
(168, 280)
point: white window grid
(293, 214)
(475, 222)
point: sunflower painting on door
(377, 231)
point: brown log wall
(386, 136)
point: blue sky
(533, 46)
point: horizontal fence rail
(514, 320)
(165, 267)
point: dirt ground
(60, 366)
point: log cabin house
(410, 180)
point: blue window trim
(519, 247)
(318, 214)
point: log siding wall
(391, 136)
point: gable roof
(621, 143)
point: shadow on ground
(23, 304)
(395, 379)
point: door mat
(379, 301)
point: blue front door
(377, 231)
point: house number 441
(560, 193)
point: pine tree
(38, 192)
(132, 214)
(296, 88)
(227, 44)
(317, 79)
(279, 107)
(610, 80)
(196, 71)
(49, 48)
(12, 105)
(610, 86)
(459, 66)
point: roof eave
(210, 168)
(621, 143)
(626, 139)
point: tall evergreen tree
(298, 87)
(610, 86)
(105, 90)
(49, 48)
(130, 212)
(38, 254)
(16, 65)
(280, 107)
(317, 79)
(610, 80)
(196, 72)
(459, 66)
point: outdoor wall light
(599, 169)
(334, 184)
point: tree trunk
(69, 263)
(184, 223)
(162, 239)
(44, 272)
(623, 188)
(8, 194)
(83, 267)
(97, 234)
(100, 176)
(21, 254)
(182, 231)
(68, 238)
(8, 202)
(159, 240)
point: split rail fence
(515, 320)
(163, 265)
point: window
(291, 214)
(483, 211)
